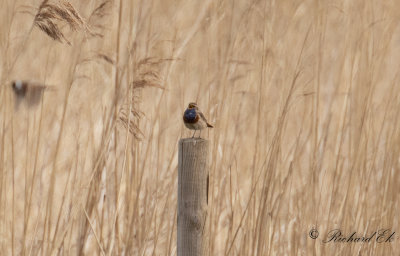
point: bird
(28, 91)
(194, 119)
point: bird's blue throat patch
(190, 116)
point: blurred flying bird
(194, 119)
(29, 92)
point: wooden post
(192, 197)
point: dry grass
(303, 96)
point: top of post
(192, 140)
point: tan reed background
(303, 96)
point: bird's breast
(190, 116)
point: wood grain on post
(192, 197)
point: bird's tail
(209, 125)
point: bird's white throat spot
(18, 84)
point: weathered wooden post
(192, 197)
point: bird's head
(192, 105)
(17, 84)
(19, 87)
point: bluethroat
(194, 119)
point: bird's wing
(204, 119)
(38, 86)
